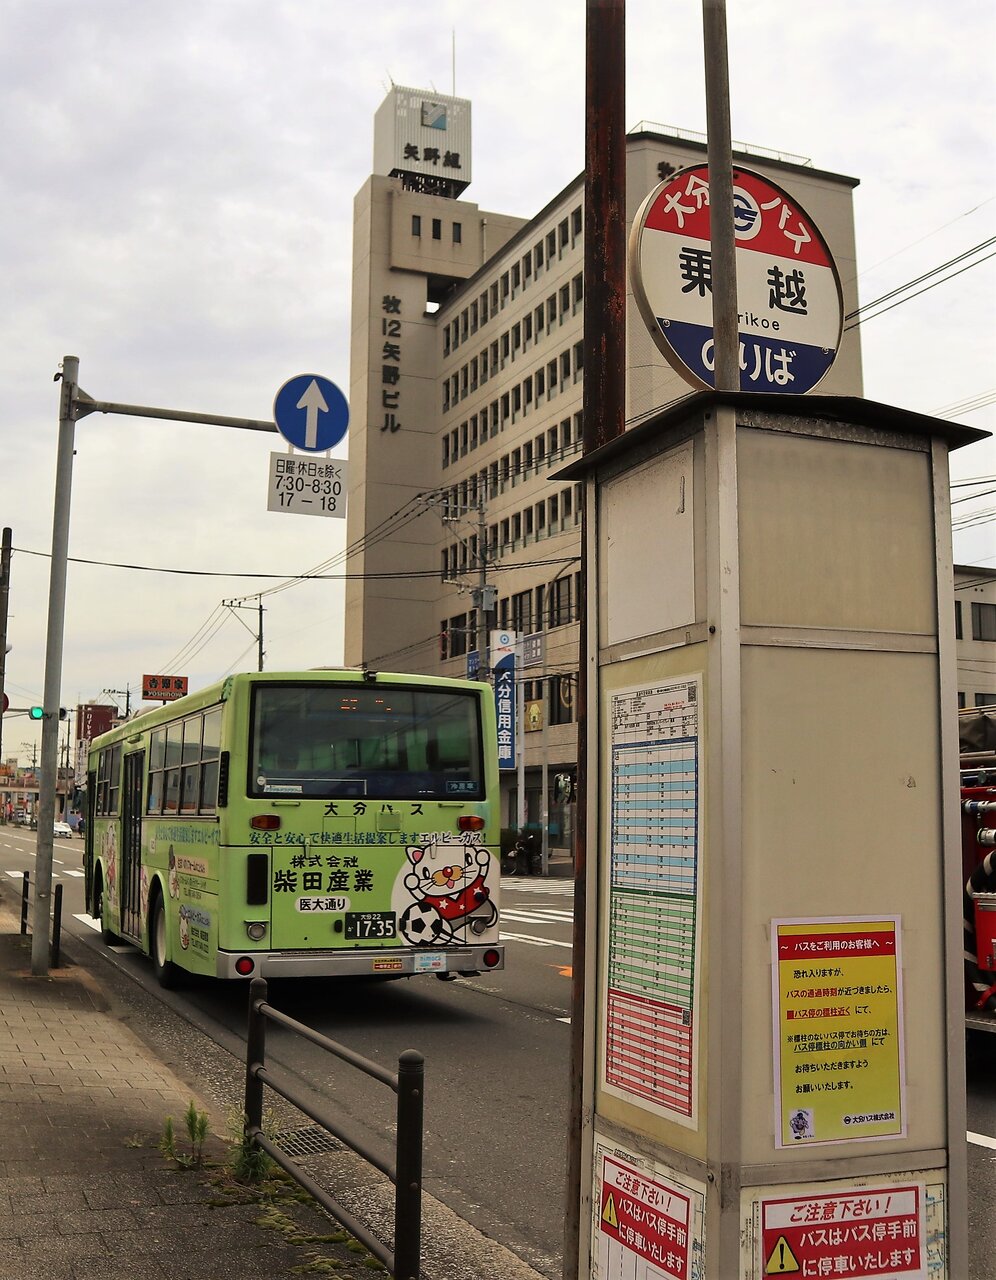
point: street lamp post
(53, 667)
(76, 404)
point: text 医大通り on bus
(316, 823)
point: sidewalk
(85, 1191)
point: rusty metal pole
(603, 418)
(726, 341)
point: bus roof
(222, 690)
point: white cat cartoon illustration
(448, 885)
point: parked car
(62, 831)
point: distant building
(975, 632)
(466, 371)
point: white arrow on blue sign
(311, 412)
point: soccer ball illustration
(422, 925)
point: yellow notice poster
(839, 1055)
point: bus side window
(210, 753)
(171, 795)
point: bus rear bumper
(464, 961)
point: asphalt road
(496, 1054)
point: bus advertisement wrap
(301, 824)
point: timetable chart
(653, 908)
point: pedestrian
(81, 826)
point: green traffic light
(37, 713)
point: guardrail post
(255, 1056)
(25, 883)
(408, 1185)
(56, 926)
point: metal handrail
(404, 1263)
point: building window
(516, 276)
(483, 301)
(565, 301)
(551, 246)
(446, 450)
(539, 315)
(562, 699)
(958, 633)
(983, 621)
(538, 257)
(576, 223)
(457, 233)
(527, 267)
(540, 383)
(504, 288)
(578, 359)
(564, 234)
(522, 612)
(558, 596)
(437, 228)
(473, 317)
(416, 224)
(577, 285)
(458, 635)
(985, 699)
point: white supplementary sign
(307, 486)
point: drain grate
(312, 1140)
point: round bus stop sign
(788, 290)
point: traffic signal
(37, 713)
(63, 713)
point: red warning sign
(849, 1235)
(645, 1216)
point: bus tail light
(470, 822)
(256, 930)
(265, 822)
(491, 958)
(244, 966)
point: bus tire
(107, 936)
(167, 973)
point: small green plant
(196, 1123)
(248, 1163)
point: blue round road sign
(311, 412)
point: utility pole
(238, 604)
(485, 597)
(122, 693)
(4, 603)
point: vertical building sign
(838, 1053)
(649, 1051)
(503, 665)
(390, 367)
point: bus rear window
(368, 741)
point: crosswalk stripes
(65, 871)
(540, 916)
(516, 884)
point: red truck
(978, 851)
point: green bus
(320, 823)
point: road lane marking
(982, 1140)
(534, 942)
(537, 917)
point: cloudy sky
(177, 206)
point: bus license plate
(370, 924)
